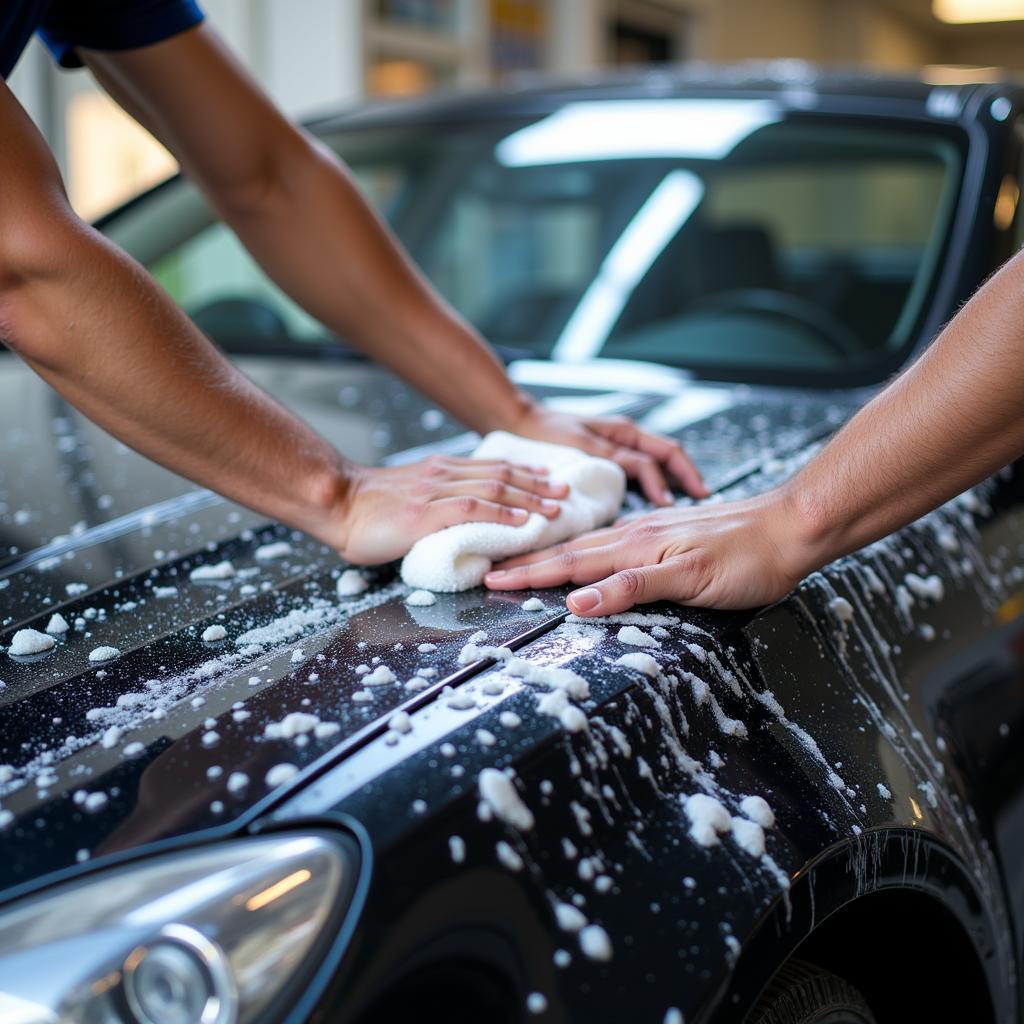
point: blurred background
(317, 55)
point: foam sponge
(458, 557)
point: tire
(801, 993)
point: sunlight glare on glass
(652, 227)
(635, 129)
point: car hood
(175, 735)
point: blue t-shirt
(94, 24)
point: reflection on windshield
(653, 226)
(636, 129)
(728, 238)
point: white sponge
(457, 558)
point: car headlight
(223, 934)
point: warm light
(1006, 203)
(399, 78)
(969, 12)
(110, 157)
(278, 889)
(916, 808)
(636, 129)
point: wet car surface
(877, 710)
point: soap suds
(57, 625)
(595, 944)
(380, 676)
(280, 774)
(30, 641)
(351, 582)
(500, 795)
(708, 818)
(220, 571)
(641, 662)
(421, 599)
(532, 604)
(99, 654)
(636, 637)
(214, 633)
(268, 552)
(757, 809)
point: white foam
(533, 604)
(294, 724)
(57, 625)
(636, 637)
(500, 795)
(641, 662)
(421, 599)
(929, 588)
(99, 654)
(380, 676)
(707, 818)
(279, 549)
(351, 582)
(757, 809)
(214, 633)
(595, 944)
(220, 571)
(280, 774)
(30, 641)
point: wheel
(801, 993)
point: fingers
(527, 478)
(445, 512)
(663, 450)
(646, 471)
(623, 590)
(598, 538)
(500, 493)
(571, 565)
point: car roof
(793, 83)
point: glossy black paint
(935, 715)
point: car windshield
(726, 237)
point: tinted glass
(721, 236)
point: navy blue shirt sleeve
(113, 25)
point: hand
(734, 555)
(645, 457)
(387, 510)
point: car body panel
(857, 680)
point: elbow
(38, 249)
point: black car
(248, 785)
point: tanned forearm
(295, 207)
(321, 242)
(952, 419)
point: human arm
(952, 419)
(298, 211)
(93, 324)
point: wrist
(329, 497)
(807, 537)
(509, 415)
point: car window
(724, 237)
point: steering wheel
(822, 326)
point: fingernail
(668, 497)
(586, 600)
(495, 574)
(519, 513)
(548, 505)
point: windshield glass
(722, 236)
